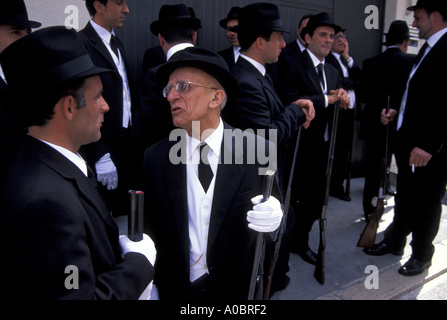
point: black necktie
(320, 68)
(205, 172)
(114, 45)
(421, 54)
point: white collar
(73, 157)
(433, 40)
(214, 141)
(255, 63)
(102, 32)
(315, 60)
(177, 48)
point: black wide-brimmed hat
(203, 59)
(432, 5)
(260, 16)
(175, 15)
(46, 57)
(399, 30)
(318, 20)
(233, 14)
(14, 13)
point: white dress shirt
(346, 75)
(105, 36)
(199, 202)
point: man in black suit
(56, 230)
(421, 153)
(299, 78)
(176, 29)
(113, 158)
(259, 107)
(350, 72)
(204, 243)
(14, 24)
(230, 24)
(382, 76)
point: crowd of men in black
(78, 134)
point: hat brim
(30, 24)
(225, 78)
(158, 26)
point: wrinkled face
(9, 34)
(87, 121)
(320, 44)
(232, 36)
(339, 43)
(193, 105)
(423, 23)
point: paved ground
(346, 264)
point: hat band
(65, 71)
(264, 25)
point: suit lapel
(99, 46)
(312, 73)
(66, 169)
(175, 182)
(229, 177)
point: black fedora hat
(318, 20)
(46, 57)
(399, 30)
(432, 5)
(203, 59)
(14, 13)
(174, 15)
(233, 14)
(261, 16)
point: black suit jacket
(228, 55)
(298, 79)
(426, 98)
(231, 242)
(112, 132)
(383, 75)
(53, 217)
(259, 107)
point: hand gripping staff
(368, 237)
(320, 269)
(135, 218)
(260, 240)
(283, 228)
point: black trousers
(418, 203)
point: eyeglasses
(182, 87)
(340, 36)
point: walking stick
(260, 240)
(283, 229)
(320, 269)
(135, 218)
(368, 237)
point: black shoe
(382, 249)
(309, 256)
(279, 286)
(414, 267)
(391, 192)
(340, 195)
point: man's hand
(419, 158)
(340, 95)
(265, 216)
(309, 110)
(387, 117)
(145, 247)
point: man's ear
(218, 99)
(68, 106)
(99, 6)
